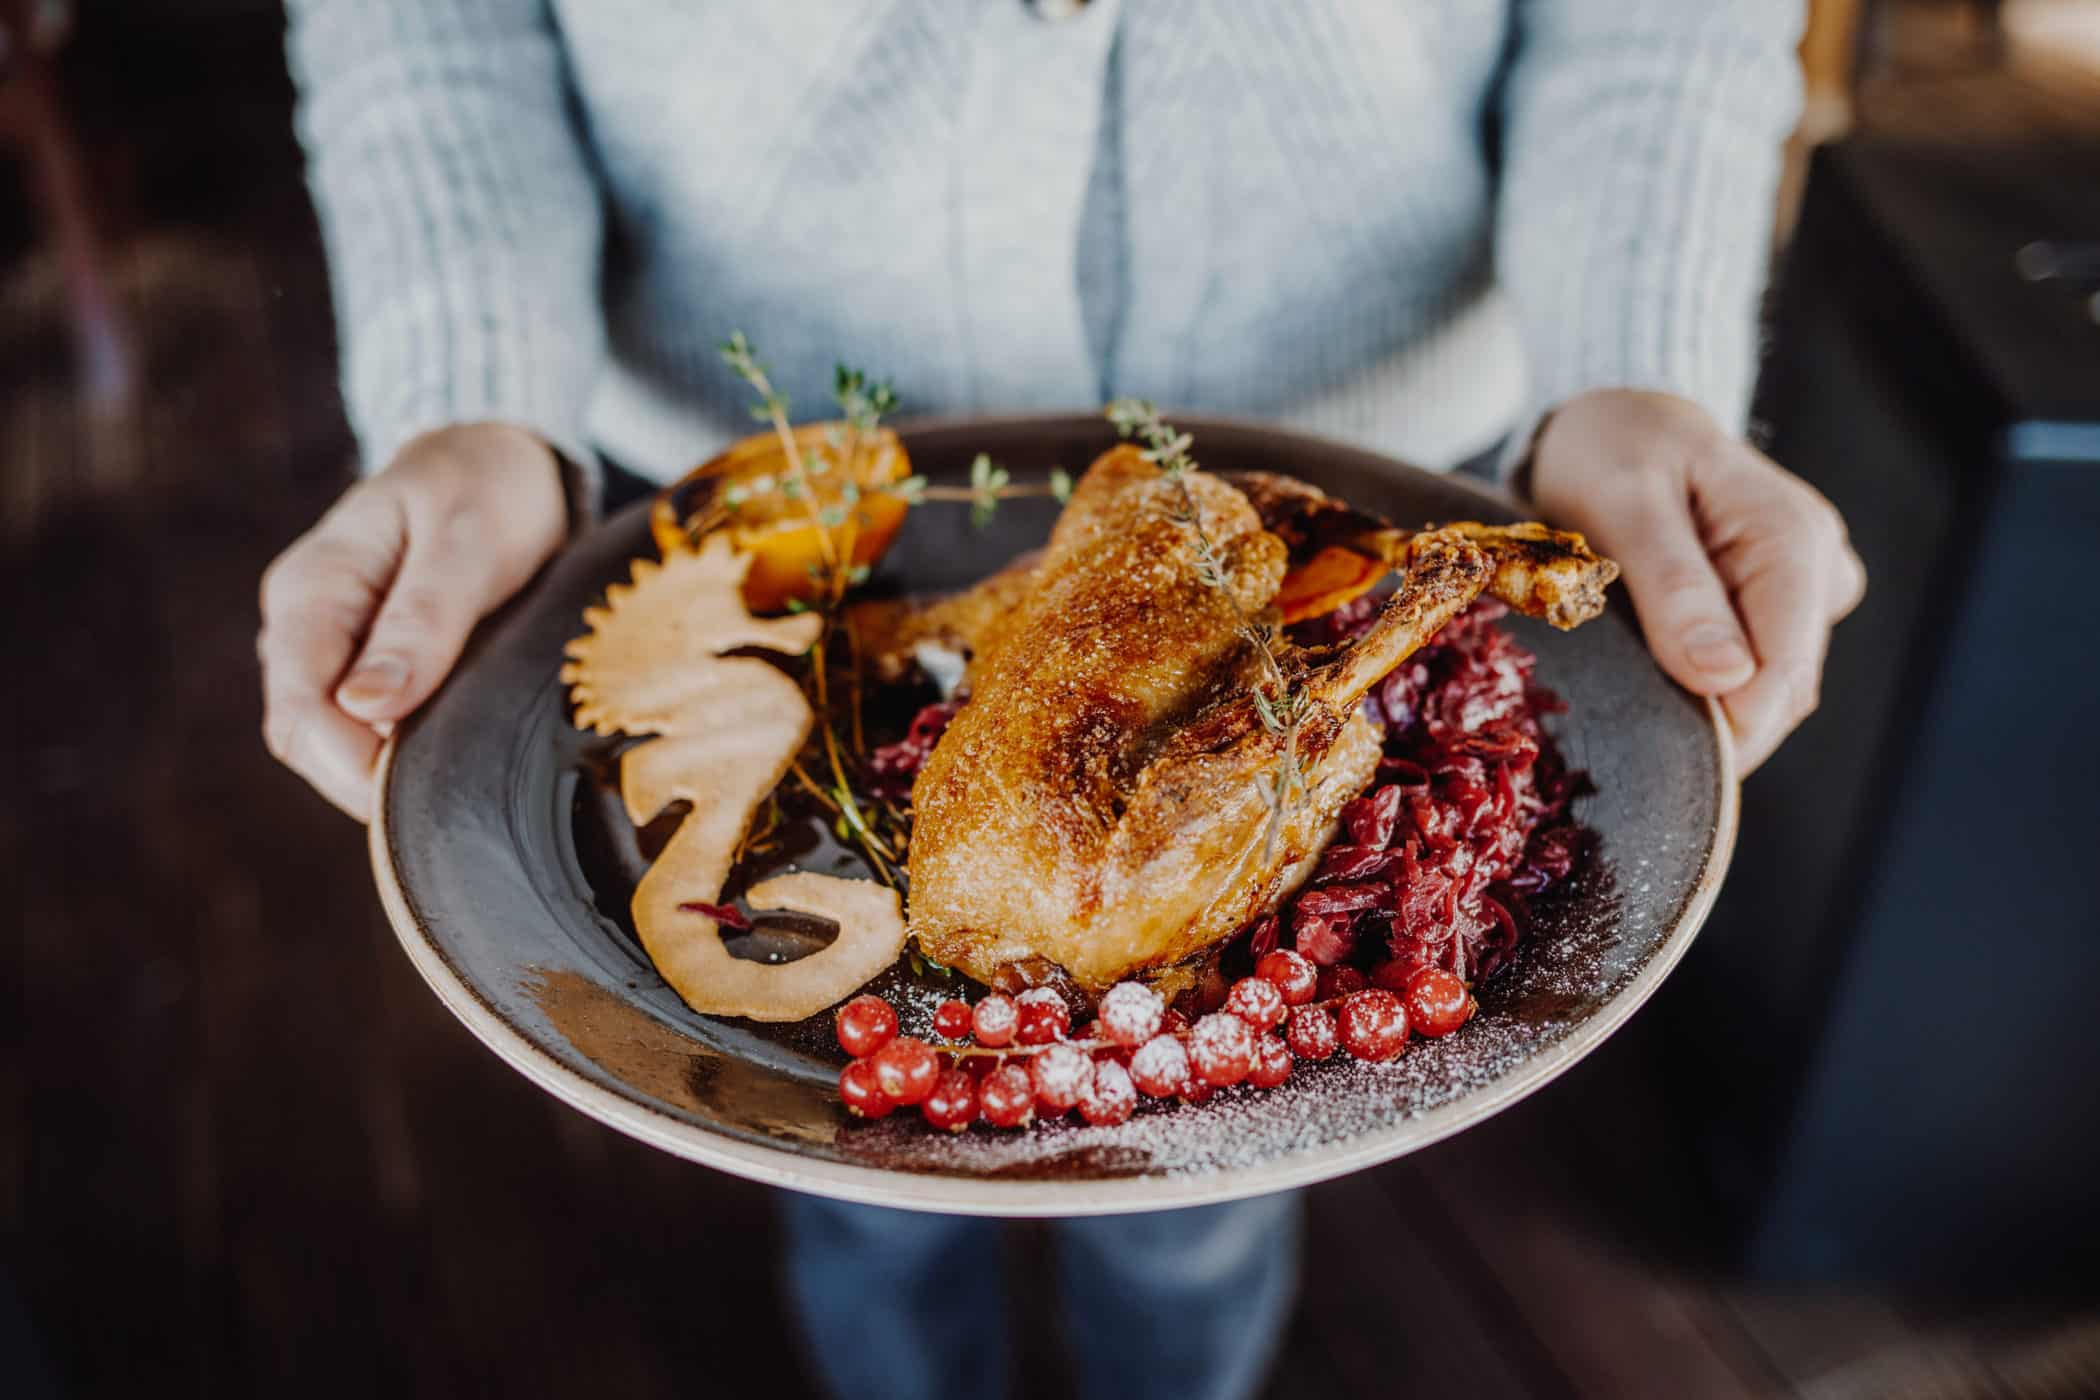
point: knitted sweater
(1414, 224)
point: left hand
(1737, 568)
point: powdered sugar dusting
(1130, 1013)
(1160, 1061)
(994, 1019)
(1109, 1097)
(1586, 953)
(1061, 1072)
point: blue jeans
(1186, 1304)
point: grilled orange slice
(751, 492)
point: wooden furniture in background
(1829, 50)
(1885, 1027)
(33, 123)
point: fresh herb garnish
(1280, 705)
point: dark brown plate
(475, 848)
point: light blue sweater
(1415, 224)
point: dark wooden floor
(246, 1153)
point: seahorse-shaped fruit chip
(725, 730)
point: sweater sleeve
(1641, 150)
(461, 216)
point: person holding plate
(1527, 236)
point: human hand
(1737, 568)
(365, 613)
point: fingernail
(372, 683)
(1717, 649)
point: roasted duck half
(1104, 806)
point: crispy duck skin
(1545, 573)
(1099, 804)
(1541, 572)
(889, 631)
(1549, 574)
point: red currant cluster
(1010, 1060)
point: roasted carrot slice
(1326, 581)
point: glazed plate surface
(490, 847)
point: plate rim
(960, 1195)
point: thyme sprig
(862, 403)
(984, 499)
(772, 407)
(1279, 704)
(987, 480)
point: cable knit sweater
(1415, 224)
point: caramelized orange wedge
(1329, 579)
(795, 536)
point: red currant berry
(864, 1097)
(1131, 1013)
(1196, 1090)
(1311, 1034)
(1372, 1024)
(1340, 981)
(1110, 1098)
(1291, 973)
(1173, 1023)
(953, 1102)
(1007, 1097)
(952, 1019)
(865, 1025)
(994, 1021)
(1044, 1017)
(1272, 1062)
(1437, 1001)
(1061, 1073)
(1221, 1049)
(1256, 1001)
(906, 1069)
(1160, 1066)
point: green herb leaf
(1061, 485)
(861, 400)
(987, 480)
(1267, 711)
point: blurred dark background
(1850, 1151)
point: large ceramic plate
(488, 819)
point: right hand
(1738, 569)
(365, 613)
